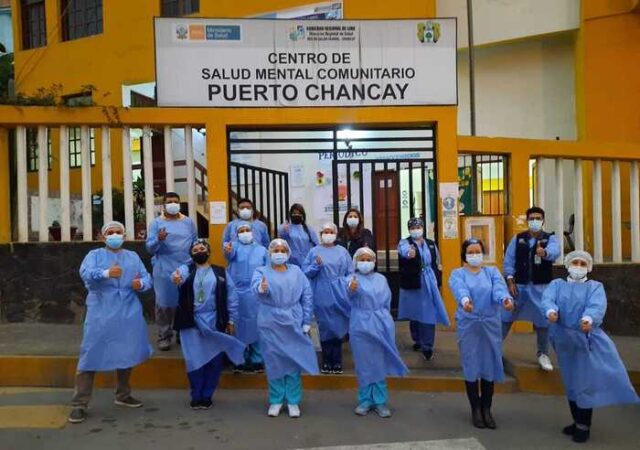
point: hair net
(244, 223)
(363, 251)
(579, 254)
(276, 242)
(415, 222)
(201, 241)
(112, 224)
(329, 225)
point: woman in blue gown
(285, 307)
(324, 264)
(480, 292)
(299, 236)
(592, 371)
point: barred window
(34, 24)
(32, 149)
(483, 183)
(174, 8)
(80, 18)
(75, 153)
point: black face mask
(200, 257)
(296, 220)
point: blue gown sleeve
(232, 299)
(509, 265)
(552, 248)
(194, 231)
(403, 248)
(387, 293)
(153, 243)
(265, 257)
(314, 236)
(184, 273)
(226, 236)
(596, 305)
(309, 266)
(282, 233)
(458, 286)
(256, 279)
(307, 301)
(499, 290)
(145, 278)
(348, 263)
(90, 272)
(234, 252)
(265, 240)
(548, 301)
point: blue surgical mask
(474, 259)
(245, 213)
(114, 241)
(245, 237)
(172, 208)
(577, 272)
(365, 267)
(535, 225)
(352, 222)
(417, 233)
(279, 258)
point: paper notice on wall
(217, 213)
(297, 175)
(449, 197)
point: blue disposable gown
(115, 332)
(592, 371)
(299, 241)
(479, 332)
(331, 311)
(258, 227)
(529, 295)
(204, 342)
(371, 329)
(282, 312)
(424, 305)
(169, 254)
(243, 260)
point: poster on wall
(449, 197)
(310, 63)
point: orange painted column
(218, 182)
(5, 197)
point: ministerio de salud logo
(297, 33)
(429, 32)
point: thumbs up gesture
(541, 252)
(263, 286)
(228, 247)
(412, 252)
(162, 234)
(508, 304)
(115, 271)
(136, 284)
(176, 278)
(318, 260)
(353, 284)
(468, 307)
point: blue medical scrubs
(258, 227)
(424, 307)
(282, 312)
(300, 242)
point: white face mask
(172, 208)
(328, 238)
(365, 267)
(279, 258)
(474, 259)
(353, 222)
(535, 225)
(245, 213)
(245, 237)
(577, 272)
(417, 233)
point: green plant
(138, 200)
(55, 224)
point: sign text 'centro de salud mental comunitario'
(288, 63)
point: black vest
(411, 268)
(184, 312)
(526, 270)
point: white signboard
(289, 63)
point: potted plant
(139, 216)
(55, 231)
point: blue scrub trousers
(253, 355)
(332, 352)
(287, 388)
(203, 381)
(542, 337)
(374, 394)
(423, 334)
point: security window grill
(174, 8)
(75, 153)
(32, 150)
(34, 24)
(80, 18)
(483, 185)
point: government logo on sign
(182, 32)
(297, 33)
(429, 32)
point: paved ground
(238, 421)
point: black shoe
(427, 355)
(239, 368)
(206, 404)
(580, 436)
(337, 369)
(258, 367)
(164, 345)
(476, 418)
(416, 347)
(129, 402)
(326, 368)
(77, 415)
(194, 404)
(488, 419)
(569, 430)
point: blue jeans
(423, 334)
(542, 337)
(287, 388)
(204, 381)
(373, 394)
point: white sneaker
(545, 363)
(294, 411)
(274, 410)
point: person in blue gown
(244, 256)
(300, 237)
(481, 293)
(285, 307)
(325, 263)
(592, 371)
(246, 213)
(420, 299)
(115, 332)
(205, 317)
(371, 333)
(169, 241)
(528, 264)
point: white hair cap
(276, 242)
(113, 224)
(329, 225)
(579, 254)
(363, 251)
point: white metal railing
(107, 152)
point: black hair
(344, 232)
(535, 209)
(468, 243)
(170, 195)
(300, 209)
(245, 200)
